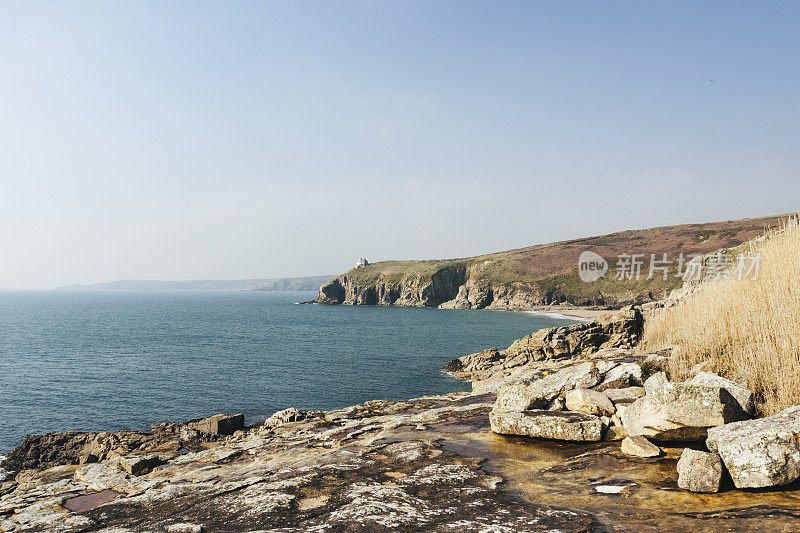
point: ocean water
(104, 361)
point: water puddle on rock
(630, 494)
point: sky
(226, 140)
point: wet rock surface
(370, 467)
(428, 464)
(636, 494)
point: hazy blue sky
(181, 140)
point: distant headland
(306, 283)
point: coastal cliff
(543, 275)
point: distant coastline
(305, 283)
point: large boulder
(699, 471)
(655, 381)
(539, 393)
(624, 375)
(742, 394)
(219, 424)
(680, 411)
(548, 425)
(590, 402)
(760, 453)
(139, 465)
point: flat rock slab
(87, 502)
(638, 446)
(548, 425)
(626, 395)
(760, 453)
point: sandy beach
(589, 313)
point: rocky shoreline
(568, 429)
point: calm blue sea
(124, 360)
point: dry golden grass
(749, 330)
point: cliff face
(544, 274)
(462, 287)
(418, 291)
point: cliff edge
(545, 274)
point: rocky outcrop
(537, 392)
(73, 447)
(619, 330)
(760, 453)
(699, 471)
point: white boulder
(762, 452)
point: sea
(111, 360)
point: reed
(749, 330)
